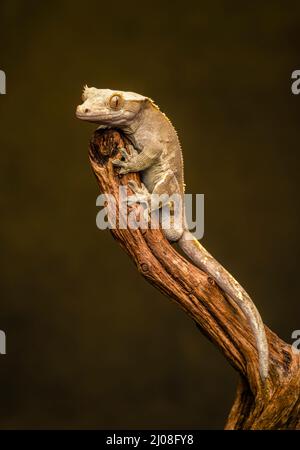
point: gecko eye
(116, 101)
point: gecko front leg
(136, 162)
(165, 194)
(131, 163)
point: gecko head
(110, 108)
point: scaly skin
(157, 156)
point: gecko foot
(140, 195)
(126, 163)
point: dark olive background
(89, 342)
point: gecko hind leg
(141, 194)
(160, 200)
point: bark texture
(275, 405)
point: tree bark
(273, 405)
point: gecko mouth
(87, 117)
(95, 118)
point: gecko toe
(118, 163)
(124, 153)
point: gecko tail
(205, 261)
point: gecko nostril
(86, 110)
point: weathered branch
(275, 405)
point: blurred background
(89, 343)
